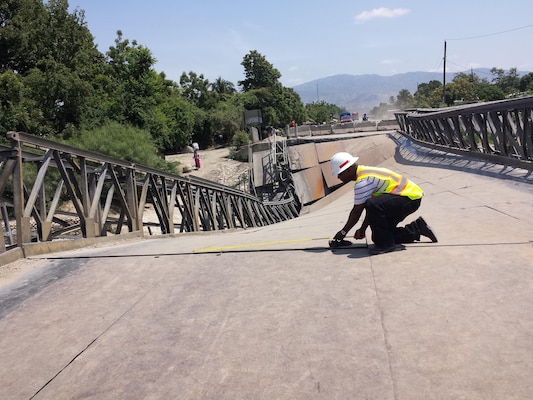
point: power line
(493, 34)
(478, 72)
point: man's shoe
(425, 230)
(385, 249)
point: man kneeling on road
(387, 198)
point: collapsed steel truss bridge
(108, 196)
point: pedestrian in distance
(387, 199)
(196, 157)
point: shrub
(240, 139)
(236, 152)
(125, 143)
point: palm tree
(223, 87)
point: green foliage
(470, 88)
(171, 123)
(195, 88)
(278, 105)
(489, 93)
(509, 83)
(289, 107)
(123, 142)
(217, 108)
(404, 100)
(526, 83)
(135, 82)
(55, 83)
(222, 88)
(237, 151)
(322, 112)
(240, 139)
(11, 110)
(52, 53)
(225, 121)
(22, 24)
(428, 94)
(258, 72)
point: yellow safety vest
(396, 183)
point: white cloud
(381, 12)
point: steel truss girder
(500, 130)
(108, 196)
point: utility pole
(444, 77)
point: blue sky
(307, 40)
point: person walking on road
(196, 157)
(387, 198)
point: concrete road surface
(272, 313)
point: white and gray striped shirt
(364, 188)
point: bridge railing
(108, 196)
(501, 130)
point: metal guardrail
(108, 196)
(501, 131)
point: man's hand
(340, 235)
(359, 234)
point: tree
(404, 99)
(223, 88)
(259, 72)
(462, 88)
(488, 92)
(53, 55)
(13, 114)
(134, 81)
(196, 89)
(526, 83)
(262, 90)
(289, 107)
(321, 111)
(22, 25)
(428, 94)
(59, 93)
(225, 121)
(171, 122)
(509, 83)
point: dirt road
(215, 165)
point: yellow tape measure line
(243, 246)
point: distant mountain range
(363, 92)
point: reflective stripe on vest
(396, 183)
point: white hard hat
(342, 161)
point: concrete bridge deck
(271, 313)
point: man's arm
(360, 233)
(354, 216)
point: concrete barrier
(344, 128)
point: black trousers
(385, 212)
